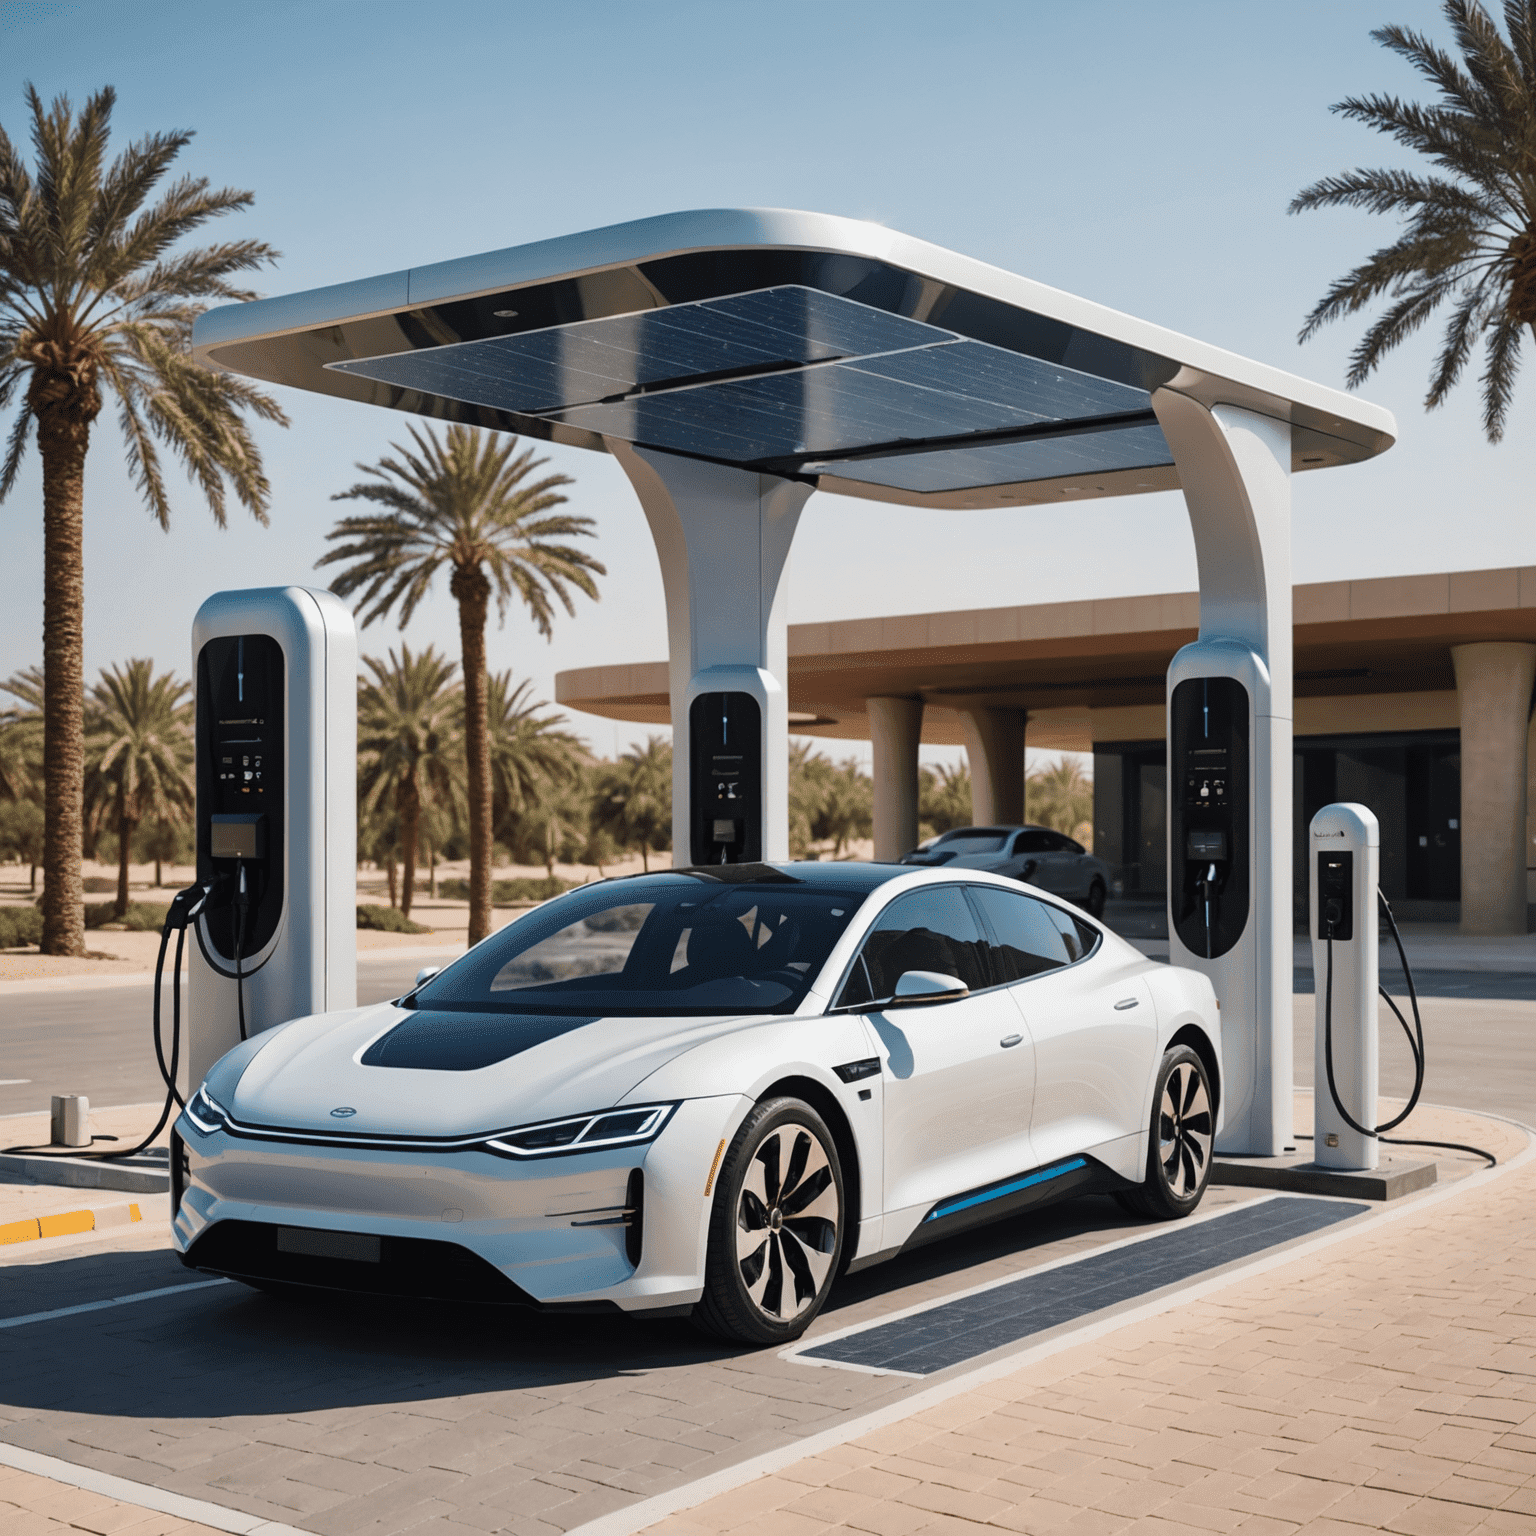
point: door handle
(1126, 1002)
(1008, 1040)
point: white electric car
(706, 1093)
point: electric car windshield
(658, 944)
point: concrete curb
(88, 1173)
(66, 1222)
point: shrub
(506, 893)
(141, 916)
(387, 920)
(20, 925)
(95, 885)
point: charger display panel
(1209, 805)
(725, 732)
(241, 686)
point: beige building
(1413, 695)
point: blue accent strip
(1011, 1188)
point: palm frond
(1470, 238)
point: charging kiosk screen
(1209, 794)
(240, 693)
(725, 732)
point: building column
(1493, 680)
(895, 733)
(994, 744)
(722, 536)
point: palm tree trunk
(124, 848)
(472, 591)
(408, 802)
(394, 895)
(432, 869)
(64, 408)
(158, 881)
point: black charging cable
(1415, 1045)
(242, 911)
(185, 908)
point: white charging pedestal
(308, 962)
(1344, 851)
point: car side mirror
(915, 989)
(426, 973)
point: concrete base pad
(146, 1174)
(1391, 1179)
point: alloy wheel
(786, 1222)
(1184, 1131)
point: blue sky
(1141, 155)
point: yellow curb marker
(70, 1221)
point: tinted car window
(932, 930)
(1080, 938)
(1070, 846)
(1026, 940)
(656, 945)
(1032, 842)
(961, 843)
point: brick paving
(1388, 1384)
(379, 1419)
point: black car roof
(834, 876)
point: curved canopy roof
(793, 344)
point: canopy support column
(723, 537)
(1229, 866)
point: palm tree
(138, 753)
(463, 503)
(1060, 796)
(634, 798)
(1471, 235)
(848, 810)
(21, 736)
(94, 299)
(944, 797)
(407, 744)
(527, 750)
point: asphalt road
(98, 1042)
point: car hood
(331, 1061)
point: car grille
(351, 1261)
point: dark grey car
(1035, 855)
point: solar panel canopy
(787, 344)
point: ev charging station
(1344, 851)
(276, 763)
(734, 360)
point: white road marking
(110, 1301)
(142, 1494)
(13, 1082)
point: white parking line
(110, 1301)
(143, 1495)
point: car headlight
(584, 1133)
(205, 1112)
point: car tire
(1095, 902)
(1180, 1144)
(777, 1228)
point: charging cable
(185, 908)
(1415, 1045)
(242, 910)
(1205, 882)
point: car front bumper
(558, 1231)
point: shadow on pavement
(229, 1350)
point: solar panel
(788, 373)
(594, 360)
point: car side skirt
(1007, 1197)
